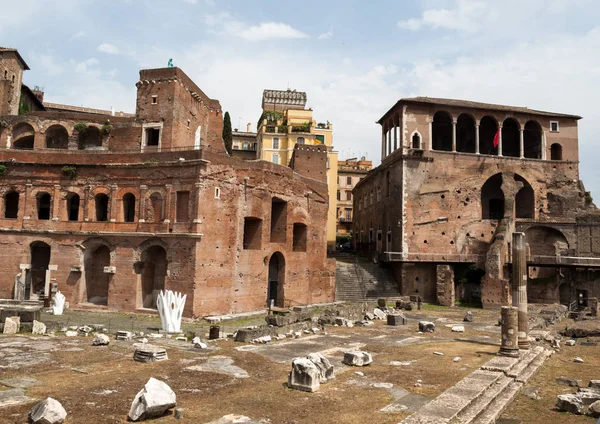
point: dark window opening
(57, 137)
(487, 131)
(511, 138)
(35, 283)
(556, 152)
(43, 206)
(252, 233)
(532, 140)
(183, 206)
(299, 239)
(90, 138)
(524, 200)
(465, 134)
(11, 205)
(154, 273)
(154, 100)
(442, 131)
(97, 281)
(101, 201)
(278, 220)
(492, 198)
(152, 136)
(416, 141)
(73, 207)
(554, 126)
(349, 181)
(129, 207)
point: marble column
(500, 141)
(477, 139)
(509, 345)
(519, 286)
(454, 136)
(521, 144)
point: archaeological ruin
(110, 209)
(457, 179)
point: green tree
(227, 135)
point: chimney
(37, 92)
(248, 127)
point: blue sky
(353, 58)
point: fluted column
(519, 286)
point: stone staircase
(358, 278)
(482, 396)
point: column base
(510, 352)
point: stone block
(326, 371)
(305, 375)
(100, 340)
(379, 314)
(396, 319)
(48, 411)
(12, 325)
(568, 381)
(357, 358)
(152, 401)
(445, 285)
(468, 317)
(38, 327)
(150, 353)
(426, 326)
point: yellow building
(350, 172)
(285, 122)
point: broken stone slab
(382, 385)
(100, 340)
(369, 316)
(379, 314)
(468, 317)
(38, 328)
(325, 367)
(86, 329)
(149, 353)
(263, 339)
(124, 335)
(458, 328)
(364, 323)
(12, 325)
(594, 384)
(305, 375)
(396, 319)
(152, 401)
(594, 409)
(48, 411)
(357, 358)
(532, 392)
(236, 419)
(578, 359)
(426, 326)
(569, 403)
(71, 333)
(457, 359)
(570, 342)
(569, 381)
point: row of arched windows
(57, 137)
(73, 206)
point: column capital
(143, 187)
(57, 186)
(169, 186)
(113, 186)
(87, 187)
(28, 185)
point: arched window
(300, 140)
(73, 207)
(23, 135)
(416, 141)
(101, 201)
(442, 131)
(90, 138)
(532, 140)
(57, 137)
(556, 152)
(524, 200)
(511, 138)
(11, 204)
(465, 134)
(43, 206)
(492, 198)
(488, 127)
(129, 207)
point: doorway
(35, 282)
(275, 292)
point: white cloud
(86, 65)
(190, 1)
(108, 48)
(326, 35)
(465, 17)
(50, 65)
(225, 23)
(77, 35)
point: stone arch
(492, 198)
(511, 138)
(101, 206)
(532, 140)
(441, 128)
(556, 152)
(276, 280)
(488, 126)
(465, 133)
(57, 137)
(73, 206)
(524, 200)
(23, 135)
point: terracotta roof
(15, 51)
(467, 104)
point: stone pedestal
(509, 344)
(445, 285)
(396, 319)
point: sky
(353, 58)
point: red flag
(497, 138)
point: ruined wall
(11, 78)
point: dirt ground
(97, 384)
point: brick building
(457, 178)
(350, 172)
(113, 209)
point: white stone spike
(59, 304)
(170, 308)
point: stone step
(469, 414)
(499, 404)
(526, 359)
(528, 372)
